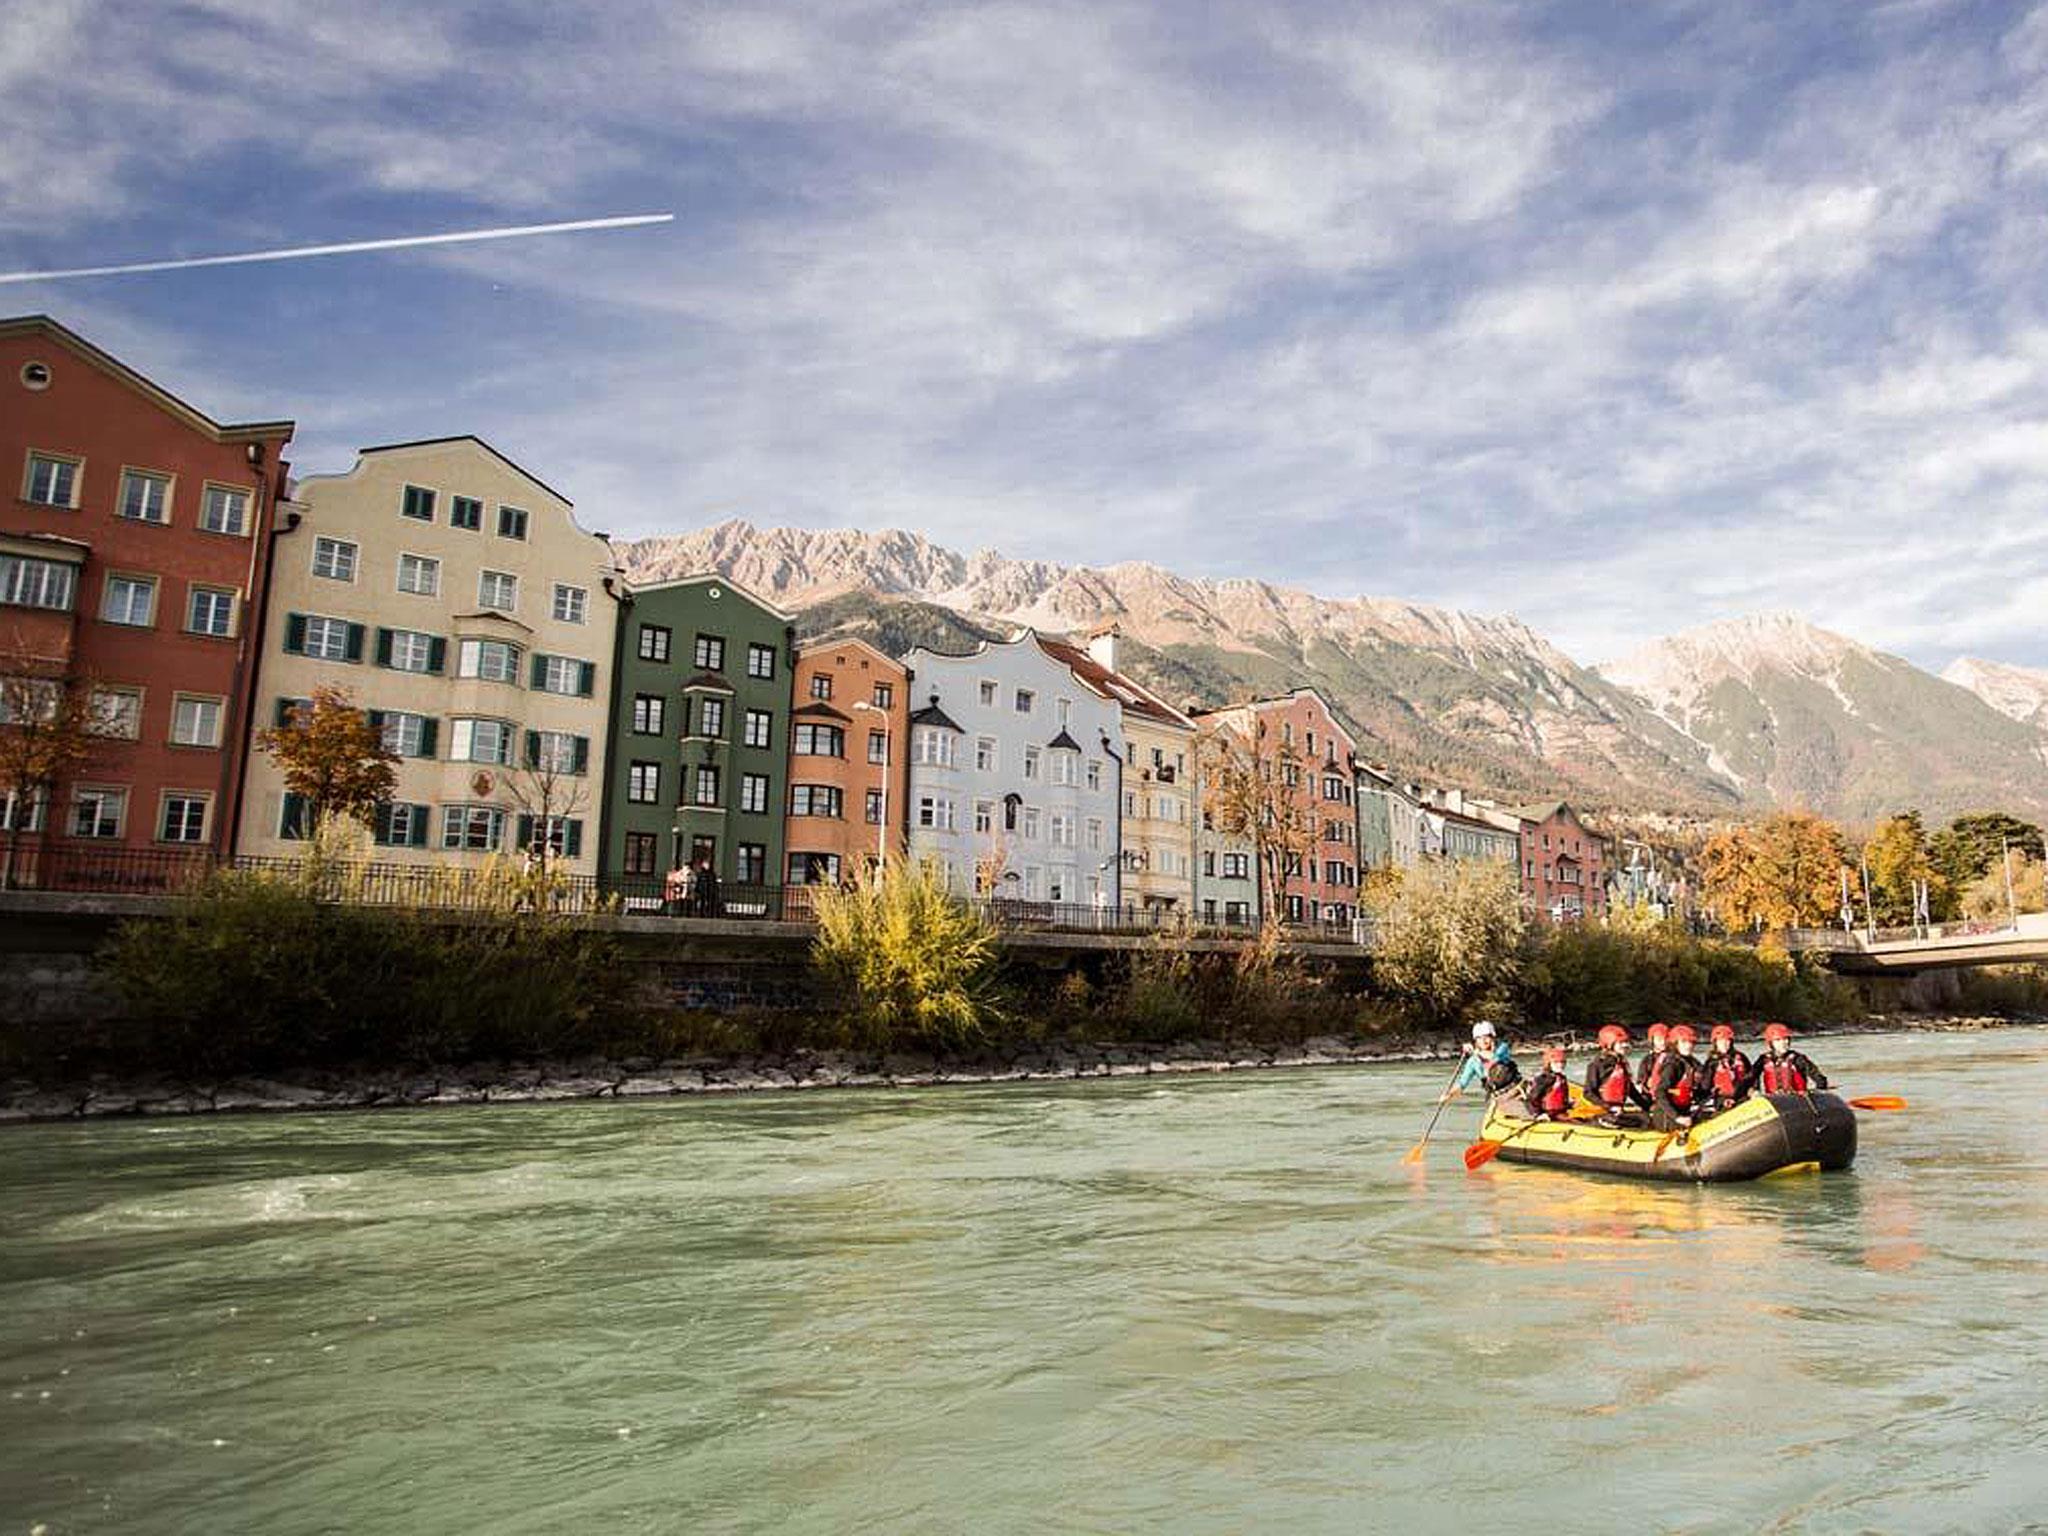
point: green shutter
(377, 719)
(572, 839)
(284, 713)
(430, 733)
(586, 678)
(295, 633)
(354, 652)
(540, 669)
(382, 830)
(533, 749)
(581, 762)
(437, 655)
(292, 825)
(524, 838)
(383, 646)
(420, 816)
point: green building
(699, 744)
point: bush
(913, 964)
(1449, 937)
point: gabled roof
(1063, 742)
(708, 682)
(699, 578)
(832, 642)
(818, 709)
(931, 714)
(1134, 697)
(1541, 810)
(107, 363)
(469, 437)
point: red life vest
(1681, 1091)
(1782, 1075)
(1727, 1081)
(1557, 1098)
(1614, 1086)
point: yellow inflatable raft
(1765, 1134)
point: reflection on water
(1195, 1306)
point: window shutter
(525, 837)
(377, 719)
(581, 762)
(533, 749)
(419, 821)
(383, 828)
(295, 633)
(354, 651)
(292, 826)
(383, 646)
(284, 713)
(586, 678)
(540, 670)
(572, 839)
(437, 655)
(430, 732)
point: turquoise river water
(1158, 1304)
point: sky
(1618, 318)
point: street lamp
(881, 830)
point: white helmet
(1483, 1030)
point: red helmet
(1659, 1032)
(1553, 1055)
(1613, 1034)
(1777, 1032)
(1724, 1032)
(1684, 1033)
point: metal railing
(84, 867)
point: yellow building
(453, 596)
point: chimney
(1102, 645)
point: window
(472, 828)
(642, 850)
(28, 583)
(754, 793)
(400, 825)
(571, 604)
(1095, 773)
(98, 812)
(145, 497)
(760, 660)
(878, 748)
(480, 741)
(643, 783)
(557, 751)
(814, 868)
(418, 503)
(224, 509)
(816, 800)
(750, 863)
(821, 686)
(649, 712)
(707, 786)
(1095, 834)
(499, 590)
(711, 718)
(210, 611)
(465, 512)
(1031, 757)
(117, 712)
(818, 741)
(653, 642)
(760, 728)
(985, 754)
(409, 650)
(22, 813)
(511, 523)
(711, 653)
(1237, 866)
(932, 746)
(494, 661)
(884, 695)
(419, 575)
(1065, 767)
(52, 482)
(563, 674)
(1031, 820)
(986, 692)
(874, 808)
(984, 815)
(406, 734)
(936, 812)
(130, 600)
(1209, 863)
(334, 559)
(184, 817)
(1062, 829)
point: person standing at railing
(676, 890)
(707, 890)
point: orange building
(848, 768)
(134, 554)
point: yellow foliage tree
(1898, 856)
(1782, 872)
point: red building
(134, 553)
(1564, 865)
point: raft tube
(1764, 1134)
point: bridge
(1930, 947)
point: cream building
(455, 598)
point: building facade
(134, 558)
(701, 738)
(452, 595)
(1390, 826)
(848, 762)
(1313, 754)
(1016, 775)
(1157, 815)
(1564, 865)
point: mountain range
(1747, 714)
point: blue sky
(1618, 318)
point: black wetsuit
(1726, 1095)
(1605, 1066)
(1670, 1088)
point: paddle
(1482, 1152)
(1414, 1154)
(1878, 1101)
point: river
(1171, 1304)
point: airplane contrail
(298, 252)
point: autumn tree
(1446, 936)
(1971, 845)
(1782, 872)
(550, 788)
(332, 758)
(49, 729)
(1251, 791)
(1989, 900)
(1899, 858)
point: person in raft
(1487, 1061)
(1659, 1036)
(1784, 1070)
(1673, 1080)
(1549, 1093)
(1609, 1082)
(1727, 1075)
